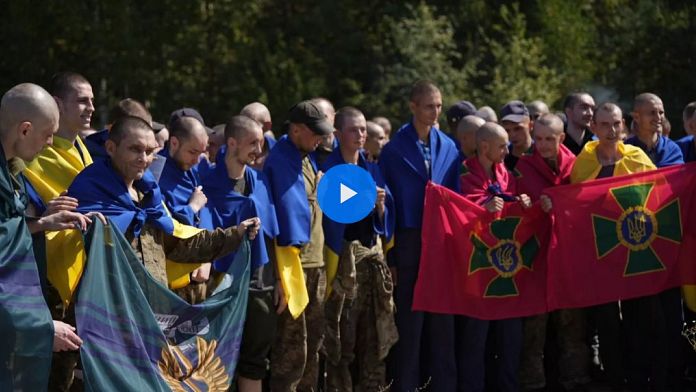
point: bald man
(384, 123)
(487, 113)
(649, 116)
(537, 109)
(466, 135)
(28, 120)
(260, 113)
(485, 180)
(550, 164)
(328, 142)
(376, 139)
(657, 315)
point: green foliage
(219, 55)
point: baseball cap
(514, 111)
(460, 110)
(186, 112)
(309, 114)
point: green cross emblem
(507, 257)
(636, 228)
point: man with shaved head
(419, 152)
(487, 113)
(466, 135)
(537, 109)
(28, 120)
(260, 113)
(376, 139)
(485, 180)
(125, 107)
(384, 123)
(232, 187)
(658, 315)
(550, 164)
(328, 142)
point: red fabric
(579, 276)
(534, 174)
(474, 182)
(446, 282)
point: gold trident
(636, 227)
(504, 255)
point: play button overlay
(346, 193)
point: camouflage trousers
(574, 352)
(365, 325)
(295, 353)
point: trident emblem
(636, 226)
(504, 257)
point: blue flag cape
(686, 144)
(139, 336)
(404, 171)
(283, 169)
(95, 144)
(226, 208)
(99, 188)
(666, 152)
(177, 186)
(333, 231)
(25, 322)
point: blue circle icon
(347, 193)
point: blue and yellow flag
(140, 336)
(25, 322)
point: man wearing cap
(578, 108)
(418, 153)
(293, 178)
(455, 114)
(514, 117)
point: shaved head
(645, 98)
(186, 127)
(470, 124)
(537, 108)
(25, 111)
(257, 112)
(384, 123)
(550, 121)
(490, 131)
(487, 113)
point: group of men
(322, 292)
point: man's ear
(562, 137)
(110, 147)
(174, 143)
(59, 102)
(412, 106)
(231, 143)
(23, 129)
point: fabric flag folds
(140, 336)
(478, 264)
(621, 238)
(26, 328)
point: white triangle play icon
(346, 193)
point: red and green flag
(480, 264)
(623, 237)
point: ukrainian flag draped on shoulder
(283, 168)
(25, 322)
(177, 186)
(140, 336)
(587, 165)
(226, 208)
(99, 188)
(49, 175)
(334, 231)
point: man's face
(426, 110)
(375, 142)
(306, 141)
(608, 126)
(186, 152)
(496, 149)
(547, 141)
(34, 137)
(248, 148)
(76, 107)
(581, 113)
(132, 156)
(353, 133)
(649, 118)
(518, 132)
